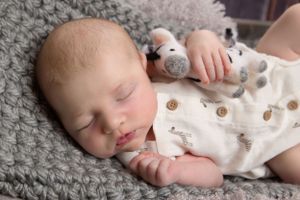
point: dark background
(257, 9)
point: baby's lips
(121, 140)
(125, 138)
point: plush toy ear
(160, 36)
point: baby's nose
(112, 122)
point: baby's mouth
(124, 139)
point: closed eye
(125, 96)
(85, 126)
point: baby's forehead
(88, 35)
(74, 45)
(75, 34)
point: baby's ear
(160, 36)
(143, 60)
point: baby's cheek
(144, 105)
(87, 140)
(134, 111)
(99, 147)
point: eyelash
(118, 100)
(88, 125)
(126, 96)
(91, 123)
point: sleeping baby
(96, 81)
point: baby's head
(95, 79)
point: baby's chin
(133, 145)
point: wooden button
(292, 105)
(267, 115)
(222, 111)
(172, 104)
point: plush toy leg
(257, 79)
(249, 78)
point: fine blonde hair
(72, 46)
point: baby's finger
(152, 170)
(142, 166)
(198, 66)
(218, 66)
(133, 164)
(225, 61)
(200, 71)
(209, 66)
(164, 174)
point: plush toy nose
(177, 66)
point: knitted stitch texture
(186, 14)
(38, 160)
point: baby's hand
(154, 168)
(207, 55)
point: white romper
(239, 132)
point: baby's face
(108, 107)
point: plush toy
(171, 60)
(168, 55)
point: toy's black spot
(228, 33)
(172, 49)
(244, 74)
(240, 52)
(230, 59)
(261, 82)
(238, 92)
(262, 66)
(153, 56)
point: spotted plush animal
(170, 59)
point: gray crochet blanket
(37, 158)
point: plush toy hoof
(261, 82)
(244, 74)
(262, 66)
(240, 91)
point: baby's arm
(186, 170)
